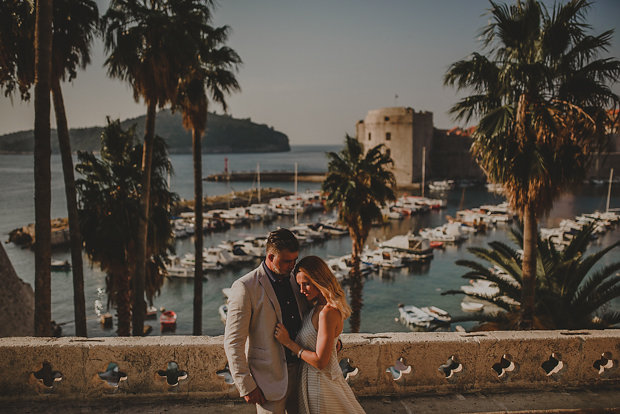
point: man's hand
(255, 397)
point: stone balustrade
(375, 364)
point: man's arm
(235, 336)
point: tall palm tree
(213, 73)
(42, 169)
(150, 46)
(75, 23)
(109, 198)
(573, 290)
(541, 95)
(358, 184)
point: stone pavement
(570, 401)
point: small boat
(439, 315)
(472, 306)
(168, 319)
(60, 266)
(435, 244)
(223, 311)
(151, 312)
(412, 315)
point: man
(265, 373)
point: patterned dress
(323, 391)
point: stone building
(405, 133)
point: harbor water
(419, 285)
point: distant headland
(224, 134)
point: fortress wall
(382, 364)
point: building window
(369, 136)
(387, 118)
(388, 152)
(388, 136)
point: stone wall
(380, 364)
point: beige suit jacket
(255, 358)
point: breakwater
(313, 177)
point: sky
(313, 68)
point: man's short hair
(282, 239)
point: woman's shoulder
(330, 312)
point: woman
(322, 386)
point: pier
(249, 176)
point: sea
(382, 292)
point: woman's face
(306, 287)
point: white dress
(323, 391)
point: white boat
(439, 315)
(413, 315)
(383, 257)
(443, 185)
(417, 248)
(481, 287)
(472, 306)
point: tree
(109, 201)
(150, 47)
(541, 95)
(42, 169)
(212, 72)
(573, 290)
(358, 184)
(75, 22)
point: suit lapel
(263, 279)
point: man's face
(283, 262)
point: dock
(278, 176)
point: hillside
(224, 134)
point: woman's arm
(329, 321)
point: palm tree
(72, 39)
(149, 46)
(212, 72)
(573, 290)
(541, 97)
(109, 200)
(358, 185)
(42, 169)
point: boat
(412, 315)
(481, 287)
(223, 311)
(439, 315)
(60, 266)
(472, 306)
(151, 312)
(168, 319)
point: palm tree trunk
(197, 151)
(42, 172)
(529, 269)
(139, 306)
(123, 302)
(356, 287)
(64, 143)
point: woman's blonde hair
(322, 277)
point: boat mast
(423, 168)
(258, 180)
(295, 205)
(611, 176)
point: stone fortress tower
(404, 132)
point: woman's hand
(282, 335)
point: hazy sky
(313, 68)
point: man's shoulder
(250, 278)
